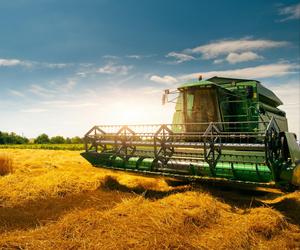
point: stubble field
(57, 200)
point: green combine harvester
(223, 129)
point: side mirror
(164, 99)
(165, 96)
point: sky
(66, 65)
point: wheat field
(57, 200)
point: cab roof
(223, 81)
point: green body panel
(110, 160)
(145, 164)
(236, 171)
(132, 162)
(118, 162)
(238, 168)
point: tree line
(13, 138)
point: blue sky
(67, 65)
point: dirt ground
(57, 200)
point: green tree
(57, 140)
(68, 140)
(42, 139)
(17, 139)
(76, 140)
(12, 138)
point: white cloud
(55, 65)
(86, 65)
(16, 93)
(134, 56)
(55, 102)
(234, 58)
(10, 62)
(71, 83)
(223, 47)
(242, 57)
(81, 74)
(68, 104)
(112, 57)
(289, 93)
(112, 68)
(27, 63)
(52, 89)
(261, 71)
(290, 12)
(165, 79)
(33, 110)
(180, 57)
(41, 91)
(218, 61)
(139, 57)
(81, 105)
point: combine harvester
(223, 129)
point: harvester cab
(223, 129)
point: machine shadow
(33, 214)
(111, 183)
(290, 208)
(237, 198)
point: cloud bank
(165, 79)
(261, 71)
(225, 47)
(290, 12)
(180, 57)
(112, 68)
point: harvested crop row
(57, 200)
(44, 174)
(187, 220)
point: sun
(129, 113)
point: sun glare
(147, 113)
